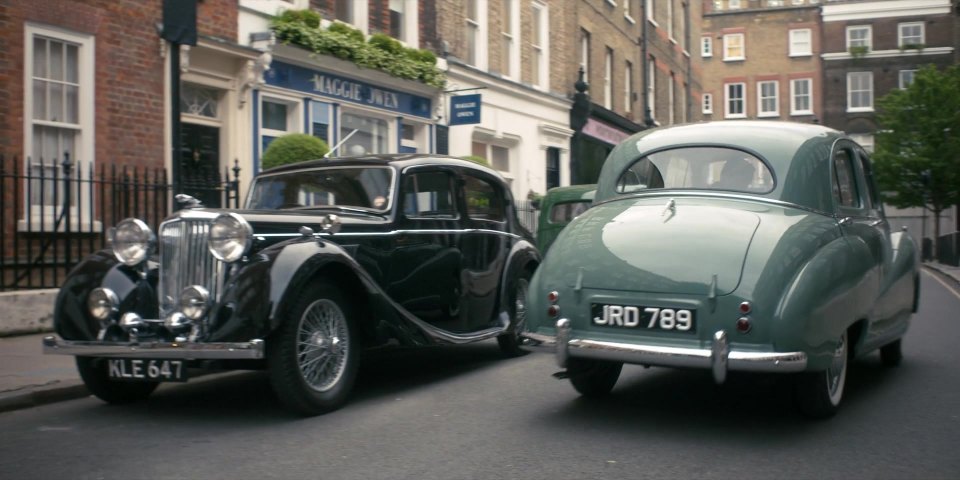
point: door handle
(877, 223)
(845, 222)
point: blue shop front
(358, 111)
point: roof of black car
(398, 160)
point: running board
(443, 336)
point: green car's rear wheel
(818, 394)
(593, 378)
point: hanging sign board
(465, 109)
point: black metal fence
(528, 211)
(55, 213)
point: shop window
(367, 135)
(320, 121)
(278, 117)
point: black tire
(318, 330)
(93, 372)
(818, 394)
(593, 378)
(891, 354)
(519, 289)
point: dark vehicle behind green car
(728, 246)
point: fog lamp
(102, 303)
(131, 320)
(194, 301)
(553, 296)
(553, 311)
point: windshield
(703, 168)
(368, 188)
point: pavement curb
(943, 273)
(32, 397)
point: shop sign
(465, 109)
(341, 88)
(602, 131)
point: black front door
(200, 164)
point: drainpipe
(647, 114)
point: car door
(860, 223)
(424, 260)
(485, 246)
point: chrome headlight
(194, 301)
(132, 240)
(102, 303)
(230, 237)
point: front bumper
(719, 358)
(252, 350)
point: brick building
(873, 47)
(760, 59)
(512, 54)
(90, 81)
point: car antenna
(339, 144)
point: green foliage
(859, 51)
(477, 159)
(917, 157)
(381, 52)
(292, 148)
(307, 18)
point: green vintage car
(558, 208)
(740, 245)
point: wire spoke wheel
(323, 344)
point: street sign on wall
(465, 109)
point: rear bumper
(719, 358)
(252, 350)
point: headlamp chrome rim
(232, 248)
(102, 303)
(132, 252)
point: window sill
(795, 55)
(734, 59)
(46, 225)
(801, 113)
(768, 114)
(709, 55)
(860, 110)
(739, 115)
(628, 18)
(710, 112)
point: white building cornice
(884, 9)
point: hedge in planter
(292, 148)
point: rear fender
(523, 256)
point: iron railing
(527, 212)
(55, 213)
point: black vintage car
(329, 257)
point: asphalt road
(464, 412)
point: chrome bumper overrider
(251, 350)
(719, 358)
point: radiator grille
(185, 260)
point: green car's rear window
(563, 213)
(702, 168)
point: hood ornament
(187, 201)
(670, 207)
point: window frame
(411, 23)
(541, 51)
(627, 86)
(793, 96)
(402, 208)
(794, 43)
(727, 99)
(900, 82)
(727, 57)
(706, 46)
(359, 16)
(510, 44)
(608, 78)
(706, 103)
(776, 99)
(477, 28)
(850, 91)
(652, 86)
(43, 216)
(868, 41)
(900, 36)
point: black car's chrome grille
(185, 260)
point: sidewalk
(29, 378)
